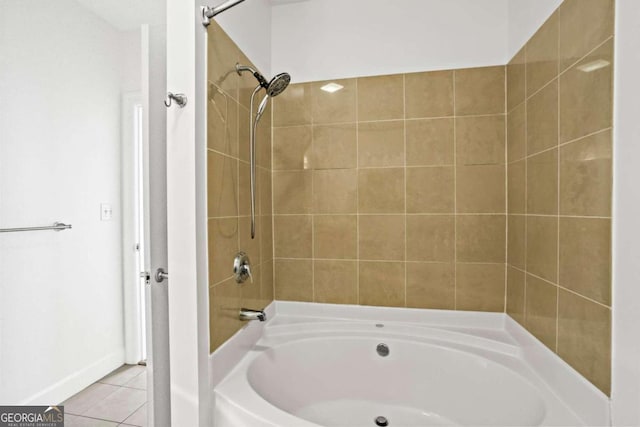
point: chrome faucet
(248, 314)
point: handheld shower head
(262, 107)
(275, 87)
(278, 84)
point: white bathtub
(318, 365)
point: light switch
(106, 212)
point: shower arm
(253, 125)
(209, 12)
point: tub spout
(248, 314)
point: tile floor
(119, 399)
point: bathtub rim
(590, 404)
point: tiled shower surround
(560, 180)
(228, 191)
(473, 189)
(391, 191)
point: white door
(186, 214)
(154, 160)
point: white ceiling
(126, 15)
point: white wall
(249, 25)
(60, 292)
(327, 39)
(626, 211)
(525, 17)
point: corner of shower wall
(228, 190)
(559, 177)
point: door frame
(134, 301)
(187, 215)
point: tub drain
(383, 350)
(381, 421)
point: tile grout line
(357, 194)
(526, 188)
(506, 188)
(549, 282)
(383, 261)
(409, 119)
(562, 145)
(312, 210)
(455, 197)
(273, 231)
(558, 189)
(404, 130)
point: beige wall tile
(430, 190)
(584, 338)
(292, 234)
(246, 82)
(381, 190)
(480, 91)
(224, 306)
(542, 55)
(584, 24)
(223, 246)
(481, 238)
(244, 190)
(586, 97)
(335, 236)
(381, 144)
(248, 245)
(516, 241)
(516, 187)
(542, 119)
(263, 140)
(430, 142)
(222, 55)
(480, 189)
(222, 122)
(430, 238)
(517, 133)
(431, 285)
(381, 98)
(336, 107)
(429, 94)
(381, 283)
(266, 283)
(222, 182)
(515, 294)
(335, 282)
(586, 176)
(542, 247)
(585, 257)
(335, 191)
(292, 192)
(244, 139)
(480, 287)
(266, 237)
(293, 106)
(480, 140)
(542, 183)
(250, 290)
(265, 191)
(516, 79)
(335, 146)
(542, 303)
(381, 237)
(294, 280)
(292, 148)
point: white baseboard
(72, 384)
